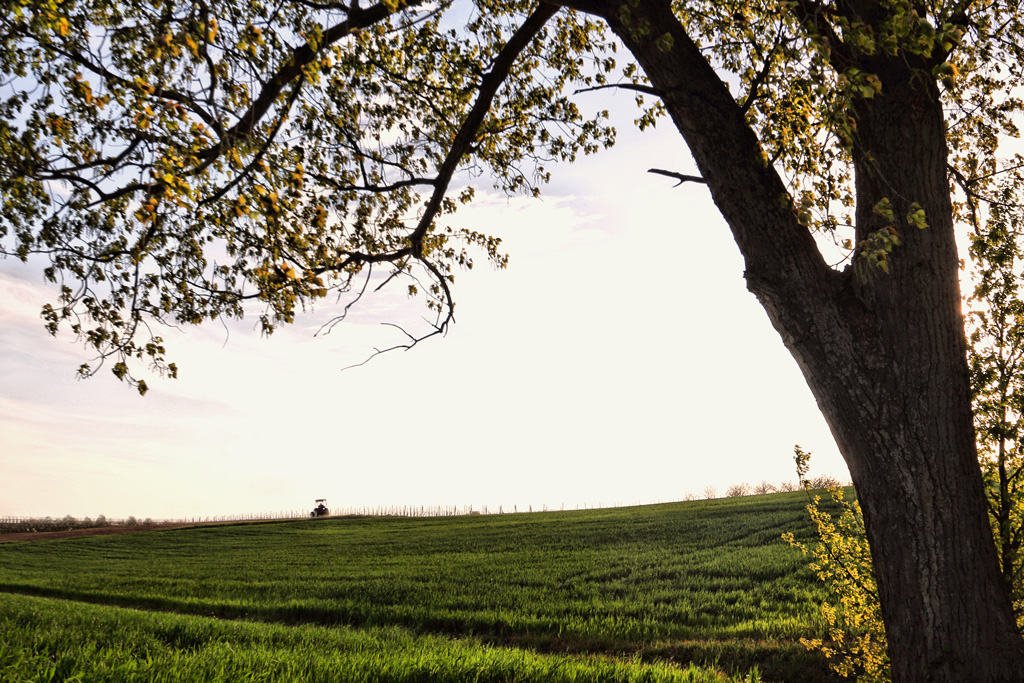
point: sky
(619, 359)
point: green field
(701, 591)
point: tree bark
(884, 354)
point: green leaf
(916, 216)
(884, 209)
(120, 370)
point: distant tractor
(320, 510)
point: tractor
(320, 510)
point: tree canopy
(185, 161)
(176, 161)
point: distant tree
(764, 487)
(736, 490)
(183, 161)
(710, 492)
(823, 481)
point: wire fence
(68, 523)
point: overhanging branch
(466, 135)
(461, 145)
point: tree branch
(759, 79)
(646, 89)
(461, 144)
(301, 57)
(464, 138)
(815, 15)
(783, 262)
(681, 177)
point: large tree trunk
(884, 354)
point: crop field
(697, 591)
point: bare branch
(646, 89)
(761, 77)
(681, 177)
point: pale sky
(619, 359)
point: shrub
(842, 560)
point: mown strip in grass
(43, 640)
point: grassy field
(700, 591)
